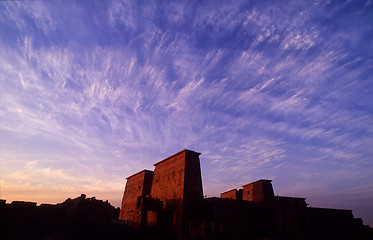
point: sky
(94, 91)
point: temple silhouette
(171, 198)
(77, 218)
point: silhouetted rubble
(79, 218)
(170, 199)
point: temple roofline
(185, 150)
(261, 180)
(145, 170)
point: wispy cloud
(92, 93)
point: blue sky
(94, 91)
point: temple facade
(171, 197)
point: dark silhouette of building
(171, 194)
(79, 218)
(171, 197)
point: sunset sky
(94, 91)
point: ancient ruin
(77, 218)
(173, 193)
(171, 198)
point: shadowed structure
(176, 182)
(171, 198)
(138, 185)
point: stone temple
(171, 198)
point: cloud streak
(91, 95)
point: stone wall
(232, 194)
(258, 191)
(177, 182)
(138, 185)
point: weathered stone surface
(232, 194)
(138, 185)
(176, 182)
(176, 203)
(258, 191)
